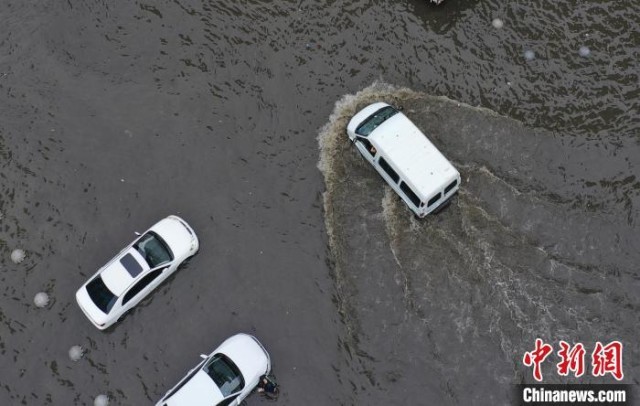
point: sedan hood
(248, 355)
(177, 234)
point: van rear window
(412, 196)
(451, 186)
(434, 199)
(374, 120)
(388, 169)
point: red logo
(608, 360)
(572, 359)
(536, 357)
(605, 359)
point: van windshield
(375, 120)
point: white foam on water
(75, 353)
(101, 400)
(584, 51)
(18, 255)
(332, 139)
(334, 134)
(41, 299)
(501, 290)
(334, 145)
(389, 212)
(529, 55)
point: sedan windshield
(153, 249)
(225, 374)
(101, 295)
(375, 120)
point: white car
(404, 157)
(136, 271)
(224, 377)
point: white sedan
(136, 271)
(223, 378)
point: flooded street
(114, 116)
(458, 298)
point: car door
(145, 285)
(249, 387)
(232, 400)
(366, 149)
(173, 266)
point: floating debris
(41, 299)
(18, 255)
(584, 51)
(101, 400)
(529, 55)
(497, 23)
(75, 353)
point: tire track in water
(456, 299)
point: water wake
(459, 297)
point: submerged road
(114, 116)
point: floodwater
(115, 115)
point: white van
(404, 157)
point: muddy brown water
(456, 299)
(115, 115)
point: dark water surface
(114, 115)
(458, 298)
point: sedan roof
(120, 273)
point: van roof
(413, 156)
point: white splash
(41, 299)
(101, 400)
(529, 55)
(18, 255)
(497, 23)
(584, 51)
(75, 353)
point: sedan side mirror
(203, 356)
(137, 233)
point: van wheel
(442, 207)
